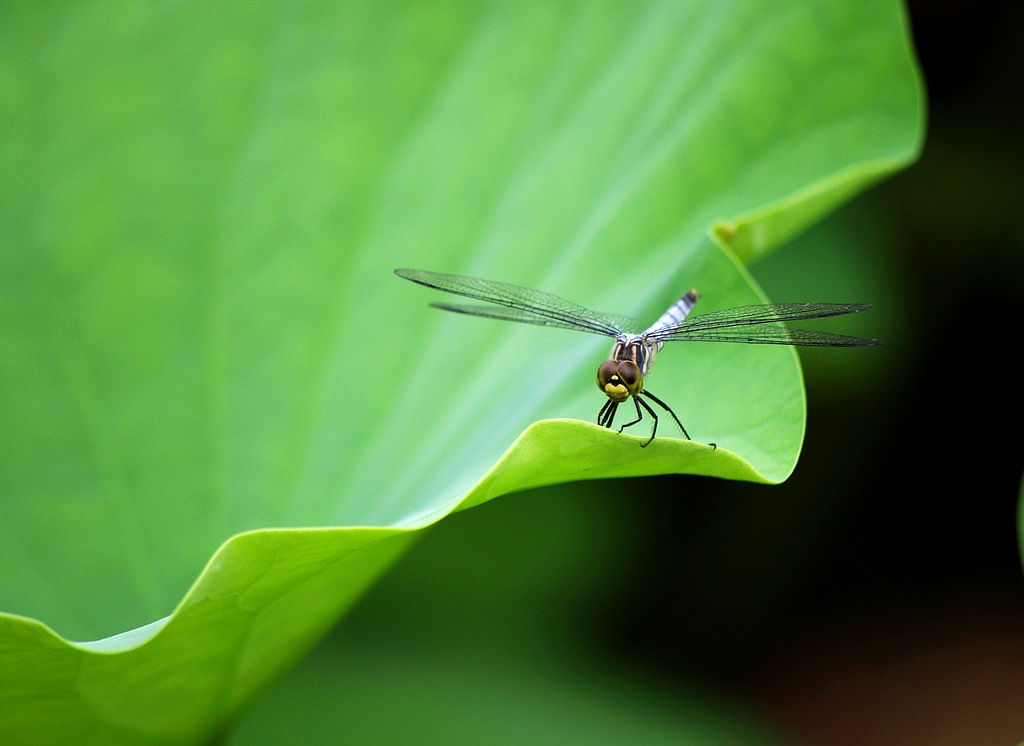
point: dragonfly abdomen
(677, 312)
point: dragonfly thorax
(623, 374)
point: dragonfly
(623, 375)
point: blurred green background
(884, 606)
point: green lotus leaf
(224, 416)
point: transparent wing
(743, 324)
(526, 317)
(520, 304)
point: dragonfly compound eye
(619, 379)
(609, 381)
(630, 375)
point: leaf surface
(223, 415)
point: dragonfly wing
(525, 305)
(744, 324)
(526, 317)
(774, 335)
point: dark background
(876, 596)
(903, 620)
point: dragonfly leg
(668, 409)
(607, 413)
(639, 416)
(653, 416)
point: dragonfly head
(619, 379)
